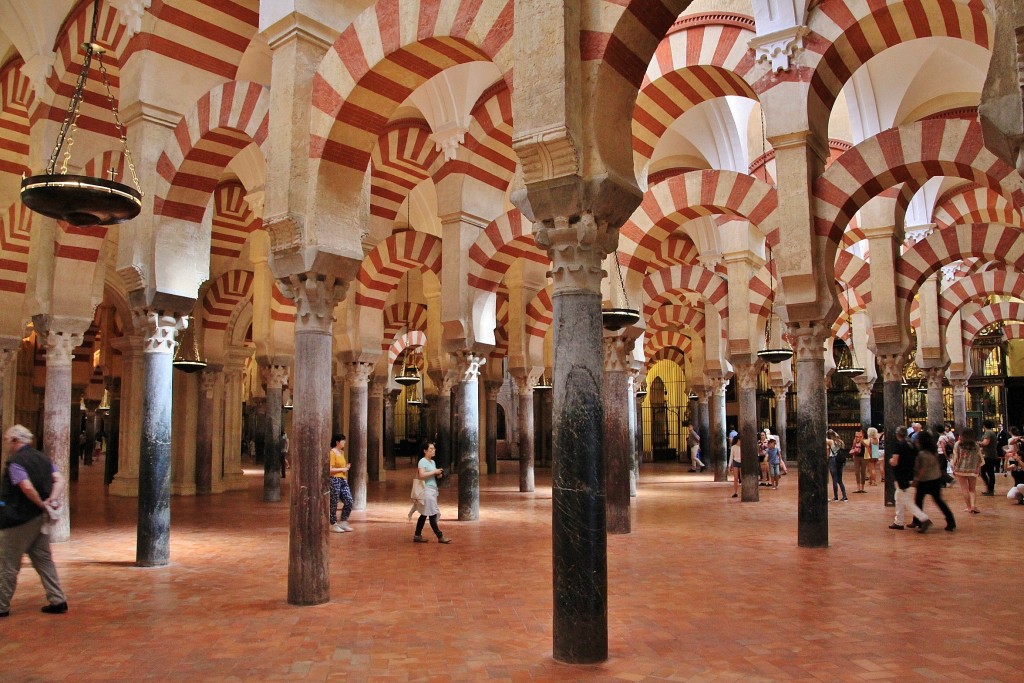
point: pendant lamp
(618, 317)
(642, 391)
(847, 364)
(77, 199)
(542, 384)
(782, 352)
(186, 356)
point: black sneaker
(925, 525)
(59, 608)
(420, 539)
(898, 527)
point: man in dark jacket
(30, 487)
(902, 459)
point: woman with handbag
(429, 473)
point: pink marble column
(526, 378)
(374, 427)
(275, 378)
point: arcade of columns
(335, 188)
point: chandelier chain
(121, 131)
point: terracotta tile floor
(704, 589)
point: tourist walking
(339, 468)
(902, 460)
(735, 464)
(928, 480)
(872, 454)
(990, 451)
(693, 445)
(429, 473)
(774, 460)
(967, 461)
(836, 450)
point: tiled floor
(704, 589)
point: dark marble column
(526, 378)
(374, 410)
(274, 377)
(632, 413)
(444, 428)
(308, 559)
(718, 449)
(491, 441)
(579, 538)
(60, 345)
(358, 376)
(204, 430)
(746, 379)
(617, 397)
(114, 433)
(936, 411)
(703, 424)
(959, 404)
(468, 440)
(892, 396)
(389, 429)
(812, 505)
(153, 542)
(781, 416)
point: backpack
(841, 455)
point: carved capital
(892, 366)
(935, 377)
(315, 297)
(377, 388)
(208, 382)
(864, 386)
(469, 365)
(809, 339)
(779, 46)
(747, 374)
(131, 12)
(959, 387)
(492, 388)
(60, 347)
(158, 329)
(716, 386)
(577, 246)
(358, 373)
(448, 382)
(780, 392)
(616, 354)
(526, 379)
(274, 376)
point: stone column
(892, 376)
(234, 478)
(389, 428)
(526, 378)
(358, 376)
(153, 542)
(491, 443)
(812, 505)
(204, 430)
(781, 416)
(126, 482)
(864, 387)
(374, 410)
(959, 404)
(746, 377)
(468, 407)
(718, 448)
(577, 248)
(617, 467)
(308, 560)
(275, 377)
(8, 374)
(60, 345)
(704, 424)
(114, 433)
(632, 415)
(445, 458)
(936, 411)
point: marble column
(491, 439)
(526, 378)
(60, 345)
(637, 454)
(579, 536)
(153, 542)
(126, 481)
(374, 411)
(468, 440)
(746, 378)
(892, 377)
(8, 374)
(445, 456)
(358, 376)
(308, 558)
(275, 377)
(632, 413)
(234, 477)
(936, 411)
(389, 428)
(959, 404)
(781, 417)
(114, 433)
(865, 385)
(206, 413)
(617, 467)
(718, 449)
(704, 424)
(812, 501)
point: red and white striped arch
(1013, 330)
(388, 51)
(973, 204)
(846, 34)
(854, 272)
(539, 314)
(971, 325)
(911, 154)
(488, 141)
(667, 345)
(676, 250)
(676, 316)
(414, 339)
(224, 297)
(233, 222)
(712, 288)
(224, 122)
(988, 242)
(672, 202)
(408, 315)
(1006, 282)
(16, 95)
(401, 160)
(502, 316)
(760, 297)
(282, 309)
(390, 260)
(509, 237)
(15, 229)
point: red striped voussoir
(712, 288)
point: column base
(127, 487)
(235, 482)
(183, 489)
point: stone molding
(158, 329)
(779, 46)
(577, 247)
(315, 297)
(547, 154)
(285, 232)
(358, 373)
(892, 365)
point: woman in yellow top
(339, 484)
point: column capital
(315, 296)
(448, 382)
(576, 245)
(809, 339)
(746, 374)
(716, 386)
(468, 364)
(780, 392)
(616, 353)
(158, 328)
(208, 381)
(274, 376)
(864, 386)
(358, 373)
(526, 379)
(492, 387)
(60, 347)
(935, 377)
(959, 387)
(892, 365)
(377, 386)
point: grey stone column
(153, 542)
(718, 449)
(936, 411)
(617, 466)
(812, 505)
(308, 559)
(491, 439)
(389, 429)
(632, 420)
(468, 441)
(579, 536)
(275, 377)
(892, 376)
(374, 412)
(126, 481)
(703, 424)
(781, 416)
(234, 478)
(358, 376)
(206, 413)
(746, 377)
(864, 387)
(444, 427)
(959, 404)
(114, 433)
(60, 345)
(526, 378)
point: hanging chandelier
(642, 391)
(413, 395)
(616, 318)
(848, 364)
(782, 352)
(410, 374)
(77, 199)
(186, 356)
(542, 384)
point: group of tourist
(771, 464)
